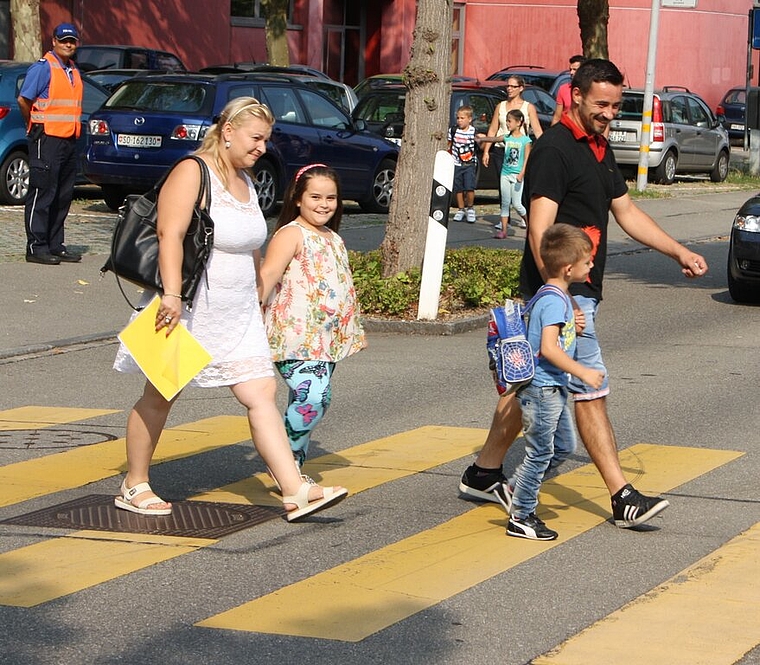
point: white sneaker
(459, 215)
(519, 223)
(471, 215)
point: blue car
(151, 121)
(14, 160)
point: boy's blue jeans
(549, 439)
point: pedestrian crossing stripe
(33, 478)
(395, 582)
(365, 466)
(54, 568)
(35, 582)
(717, 596)
(40, 417)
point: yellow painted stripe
(397, 581)
(39, 417)
(74, 468)
(54, 568)
(365, 466)
(82, 565)
(679, 621)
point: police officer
(50, 100)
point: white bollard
(435, 243)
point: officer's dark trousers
(52, 174)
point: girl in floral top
(311, 313)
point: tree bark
(426, 119)
(276, 31)
(593, 17)
(25, 18)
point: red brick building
(702, 48)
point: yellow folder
(169, 363)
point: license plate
(620, 137)
(138, 141)
(739, 127)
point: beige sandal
(143, 508)
(305, 507)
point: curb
(443, 328)
(51, 347)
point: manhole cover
(23, 439)
(193, 519)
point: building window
(249, 12)
(457, 40)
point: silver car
(686, 136)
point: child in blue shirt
(547, 424)
(516, 151)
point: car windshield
(166, 96)
(631, 108)
(381, 107)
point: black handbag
(134, 247)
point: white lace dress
(226, 317)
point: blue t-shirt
(549, 310)
(37, 81)
(514, 154)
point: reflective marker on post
(435, 244)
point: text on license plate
(734, 126)
(621, 137)
(138, 140)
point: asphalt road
(684, 372)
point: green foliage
(474, 279)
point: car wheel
(741, 291)
(382, 188)
(665, 173)
(14, 178)
(265, 180)
(719, 173)
(113, 196)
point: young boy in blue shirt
(547, 424)
(463, 148)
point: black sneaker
(530, 527)
(490, 486)
(631, 508)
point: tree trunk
(25, 17)
(426, 119)
(276, 14)
(593, 17)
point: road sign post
(435, 243)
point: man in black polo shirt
(572, 178)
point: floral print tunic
(313, 313)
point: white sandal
(143, 508)
(305, 507)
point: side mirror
(360, 125)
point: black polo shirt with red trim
(578, 172)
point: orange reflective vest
(60, 113)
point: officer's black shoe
(68, 257)
(44, 259)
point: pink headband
(303, 169)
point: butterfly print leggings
(308, 398)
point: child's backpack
(510, 354)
